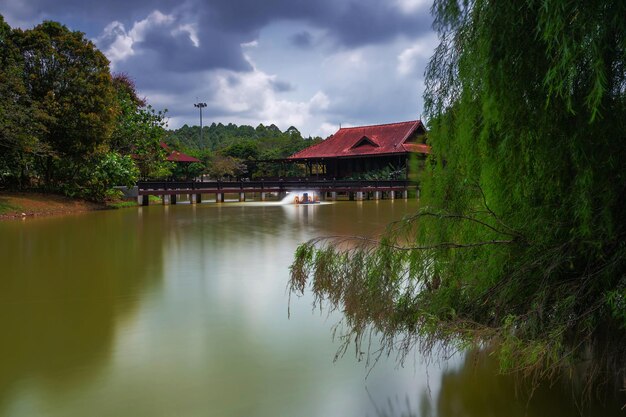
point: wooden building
(353, 151)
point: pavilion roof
(385, 139)
(176, 156)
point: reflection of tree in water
(66, 284)
(476, 390)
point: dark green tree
(22, 123)
(520, 242)
(69, 79)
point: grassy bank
(20, 205)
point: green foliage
(226, 167)
(70, 79)
(139, 130)
(8, 208)
(255, 148)
(520, 242)
(93, 179)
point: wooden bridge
(328, 189)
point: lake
(182, 311)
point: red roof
(175, 156)
(387, 139)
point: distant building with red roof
(354, 150)
(176, 156)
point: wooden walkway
(328, 189)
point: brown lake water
(182, 311)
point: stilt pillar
(143, 200)
(219, 197)
(333, 195)
(166, 199)
(263, 196)
(392, 195)
(360, 195)
(192, 198)
(376, 195)
(405, 194)
(242, 197)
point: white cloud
(411, 6)
(120, 42)
(327, 129)
(252, 44)
(250, 97)
(319, 101)
(413, 58)
(156, 18)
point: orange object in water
(296, 200)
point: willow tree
(520, 240)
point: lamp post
(200, 106)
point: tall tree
(69, 79)
(520, 241)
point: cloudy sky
(313, 64)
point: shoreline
(22, 205)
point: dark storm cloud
(177, 52)
(302, 40)
(350, 22)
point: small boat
(306, 199)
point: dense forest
(67, 125)
(519, 246)
(231, 151)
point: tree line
(231, 151)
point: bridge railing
(274, 185)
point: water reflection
(477, 390)
(182, 310)
(65, 286)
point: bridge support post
(192, 198)
(166, 199)
(376, 195)
(242, 196)
(392, 195)
(359, 196)
(333, 195)
(219, 197)
(263, 196)
(143, 200)
(173, 198)
(405, 194)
